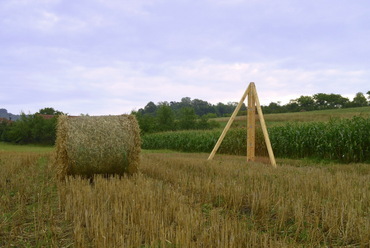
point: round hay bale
(89, 145)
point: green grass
(25, 148)
(309, 116)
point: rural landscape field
(183, 200)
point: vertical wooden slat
(251, 126)
(229, 124)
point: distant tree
(202, 107)
(5, 127)
(203, 123)
(359, 100)
(49, 111)
(165, 118)
(329, 101)
(306, 103)
(150, 108)
(273, 107)
(147, 122)
(188, 118)
(292, 106)
(186, 102)
(368, 95)
(33, 129)
(221, 109)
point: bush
(32, 129)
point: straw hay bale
(90, 145)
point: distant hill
(9, 116)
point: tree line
(194, 114)
(318, 101)
(184, 115)
(31, 129)
(187, 114)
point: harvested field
(182, 200)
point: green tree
(165, 118)
(202, 107)
(292, 106)
(359, 100)
(187, 118)
(273, 107)
(33, 129)
(5, 127)
(49, 111)
(329, 101)
(306, 103)
(150, 108)
(147, 122)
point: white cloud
(97, 90)
(106, 56)
(120, 87)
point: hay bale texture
(90, 145)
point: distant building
(5, 120)
(46, 117)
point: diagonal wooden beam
(263, 126)
(227, 127)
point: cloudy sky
(112, 56)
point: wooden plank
(251, 127)
(264, 128)
(227, 127)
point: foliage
(359, 100)
(187, 118)
(200, 107)
(165, 117)
(341, 140)
(318, 101)
(33, 129)
(201, 141)
(5, 127)
(49, 111)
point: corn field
(345, 140)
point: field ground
(309, 116)
(25, 148)
(182, 200)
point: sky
(105, 57)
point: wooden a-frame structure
(253, 104)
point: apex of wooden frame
(253, 104)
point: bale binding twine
(89, 145)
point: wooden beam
(251, 126)
(263, 126)
(227, 127)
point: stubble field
(182, 200)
